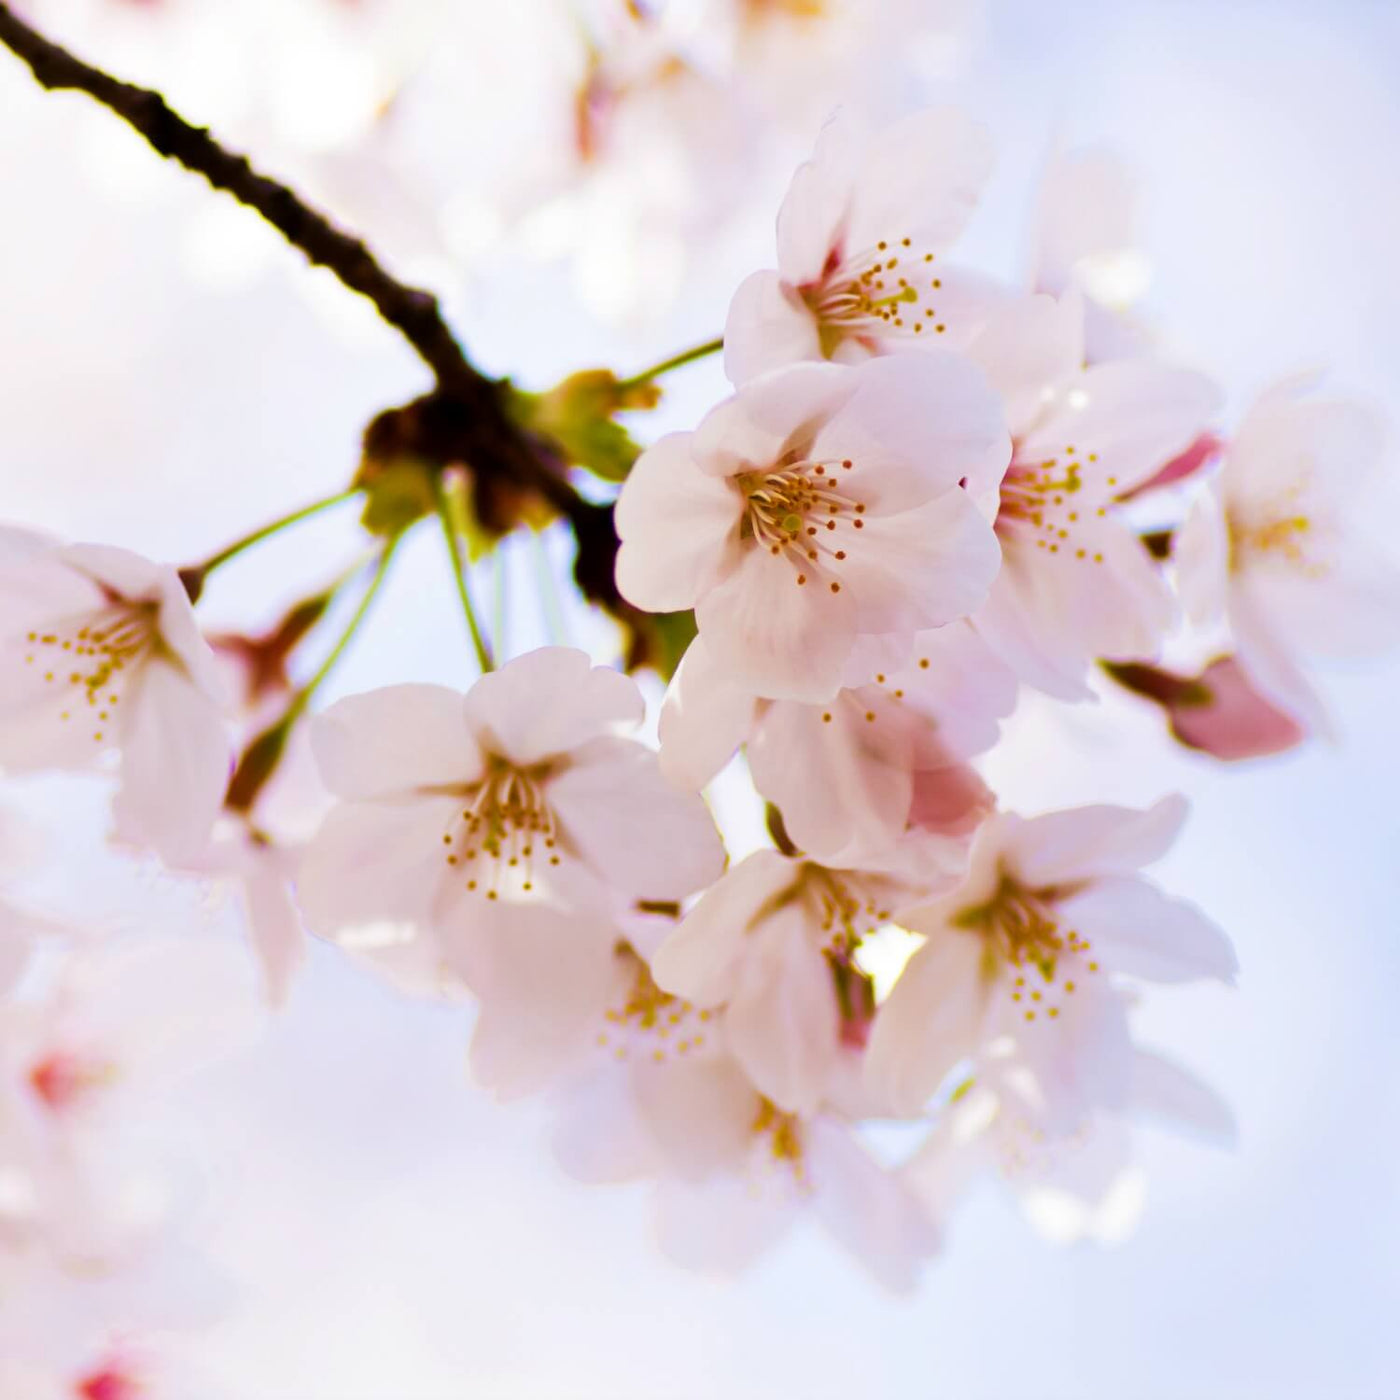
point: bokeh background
(169, 377)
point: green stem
(263, 754)
(459, 571)
(698, 352)
(267, 531)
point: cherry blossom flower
(861, 238)
(768, 942)
(734, 1173)
(520, 791)
(1071, 1187)
(1281, 546)
(1076, 583)
(1025, 950)
(99, 650)
(817, 505)
(847, 775)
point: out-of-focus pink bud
(1183, 465)
(1219, 712)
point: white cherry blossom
(100, 651)
(861, 238)
(1281, 543)
(1079, 1185)
(1025, 950)
(1076, 583)
(819, 504)
(768, 942)
(520, 791)
(849, 776)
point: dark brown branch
(413, 313)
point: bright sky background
(391, 1232)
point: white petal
(274, 925)
(931, 1020)
(700, 1114)
(783, 1022)
(600, 1135)
(1138, 930)
(775, 636)
(701, 960)
(678, 526)
(769, 325)
(180, 633)
(869, 1211)
(837, 781)
(648, 838)
(373, 862)
(120, 570)
(1061, 847)
(814, 210)
(176, 761)
(915, 425)
(920, 178)
(1027, 349)
(542, 978)
(1175, 1098)
(722, 1225)
(547, 702)
(704, 719)
(397, 739)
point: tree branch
(412, 312)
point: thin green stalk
(459, 571)
(498, 601)
(698, 352)
(267, 531)
(304, 696)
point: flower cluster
(929, 492)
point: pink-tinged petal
(1062, 847)
(274, 925)
(600, 1136)
(919, 178)
(1201, 558)
(700, 1115)
(919, 569)
(126, 574)
(775, 636)
(783, 1022)
(769, 325)
(812, 219)
(1270, 663)
(1124, 420)
(19, 545)
(868, 1211)
(1079, 1063)
(1027, 350)
(1085, 1187)
(704, 719)
(678, 526)
(398, 739)
(1135, 929)
(722, 1225)
(1184, 465)
(701, 960)
(768, 418)
(180, 634)
(542, 978)
(177, 756)
(649, 839)
(839, 779)
(954, 1154)
(1165, 1093)
(950, 801)
(372, 863)
(959, 688)
(547, 702)
(914, 426)
(931, 1020)
(1236, 721)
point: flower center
(799, 509)
(846, 911)
(1282, 536)
(783, 1132)
(63, 1079)
(506, 826)
(1043, 502)
(94, 661)
(109, 1383)
(649, 1021)
(1026, 948)
(888, 290)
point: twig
(412, 312)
